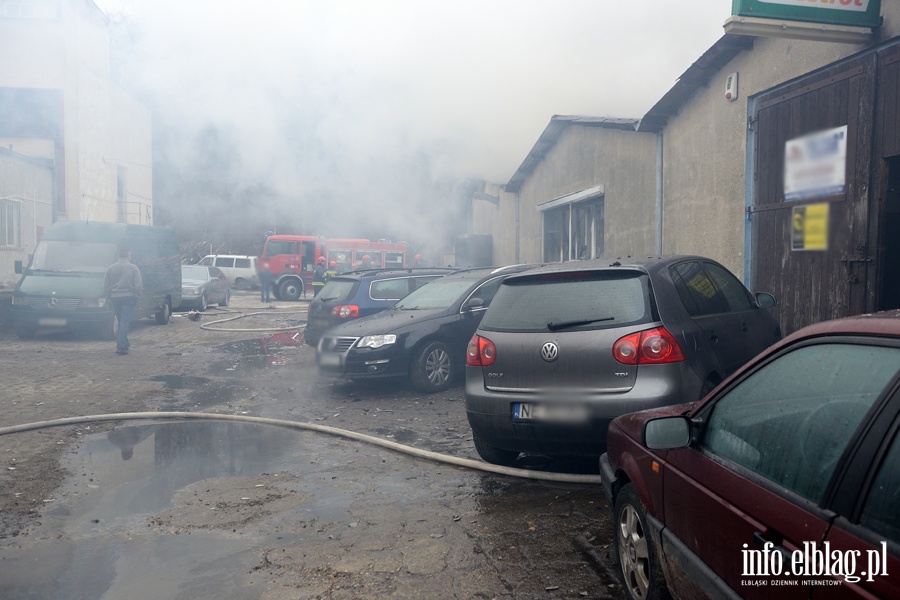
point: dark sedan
(358, 294)
(784, 482)
(202, 286)
(422, 337)
(566, 348)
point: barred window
(10, 224)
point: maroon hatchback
(784, 482)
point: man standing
(122, 285)
(265, 282)
(318, 281)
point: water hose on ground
(426, 454)
(208, 326)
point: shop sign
(860, 13)
(815, 165)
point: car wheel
(204, 302)
(163, 314)
(638, 564)
(432, 368)
(492, 454)
(241, 284)
(227, 299)
(290, 290)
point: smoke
(372, 119)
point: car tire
(432, 368)
(241, 284)
(492, 454)
(226, 300)
(163, 314)
(290, 290)
(204, 302)
(636, 556)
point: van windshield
(73, 257)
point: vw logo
(54, 302)
(550, 351)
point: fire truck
(292, 259)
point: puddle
(209, 509)
(152, 511)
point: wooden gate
(820, 284)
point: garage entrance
(830, 250)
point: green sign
(857, 13)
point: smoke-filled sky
(359, 108)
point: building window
(10, 224)
(574, 231)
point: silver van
(241, 271)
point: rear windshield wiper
(566, 324)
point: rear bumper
(490, 414)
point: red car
(783, 482)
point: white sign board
(815, 165)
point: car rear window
(389, 289)
(337, 289)
(574, 300)
(441, 293)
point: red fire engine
(292, 259)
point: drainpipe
(659, 191)
(518, 260)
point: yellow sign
(809, 229)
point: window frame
(10, 223)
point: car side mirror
(765, 300)
(474, 303)
(667, 433)
(18, 267)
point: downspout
(518, 260)
(659, 191)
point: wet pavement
(214, 509)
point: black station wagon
(422, 337)
(566, 348)
(358, 294)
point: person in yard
(122, 285)
(319, 276)
(332, 270)
(265, 282)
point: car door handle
(744, 327)
(713, 336)
(761, 542)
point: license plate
(558, 413)
(52, 322)
(330, 360)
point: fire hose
(425, 454)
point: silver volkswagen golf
(566, 348)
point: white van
(241, 271)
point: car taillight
(345, 311)
(651, 347)
(481, 352)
